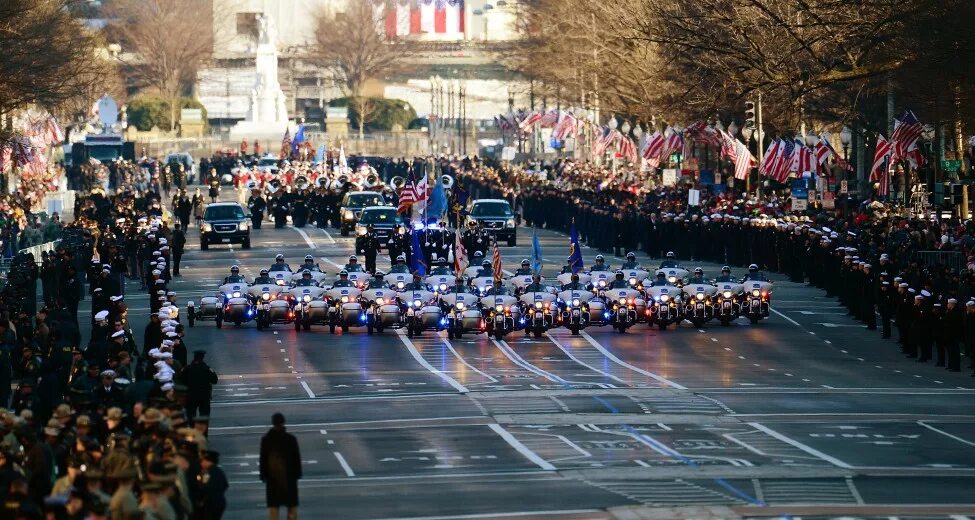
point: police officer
(257, 205)
(536, 285)
(343, 280)
(299, 207)
(567, 268)
(368, 245)
(377, 281)
(574, 284)
(353, 265)
(631, 262)
(417, 284)
(600, 264)
(725, 275)
(754, 274)
(498, 289)
(306, 279)
(885, 304)
(525, 269)
(697, 277)
(660, 280)
(486, 270)
(263, 278)
(952, 332)
(394, 245)
(310, 264)
(279, 265)
(399, 266)
(235, 276)
(477, 259)
(670, 261)
(281, 209)
(460, 287)
(619, 282)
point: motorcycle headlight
(348, 215)
(380, 301)
(443, 287)
(726, 294)
(664, 297)
(538, 305)
(417, 303)
(359, 230)
(265, 296)
(499, 307)
(756, 292)
(459, 305)
(400, 285)
(243, 226)
(622, 301)
(672, 279)
(575, 302)
(279, 281)
(510, 223)
(306, 298)
(345, 299)
(602, 283)
(236, 294)
(632, 281)
(700, 296)
(207, 228)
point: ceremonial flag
(824, 150)
(417, 260)
(575, 250)
(881, 154)
(298, 139)
(549, 119)
(744, 161)
(802, 161)
(496, 261)
(627, 149)
(784, 163)
(407, 195)
(286, 143)
(422, 190)
(603, 141)
(655, 144)
(320, 154)
(907, 131)
(438, 202)
(565, 127)
(771, 155)
(673, 141)
(536, 254)
(529, 121)
(460, 255)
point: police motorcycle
(231, 304)
(673, 271)
(379, 300)
(600, 276)
(210, 307)
(440, 279)
(308, 303)
(356, 274)
(665, 299)
(539, 306)
(757, 295)
(344, 307)
(273, 304)
(699, 297)
(461, 307)
(422, 311)
(503, 312)
(591, 308)
(576, 314)
(726, 300)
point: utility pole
(760, 131)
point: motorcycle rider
(726, 275)
(416, 285)
(536, 285)
(697, 277)
(310, 264)
(498, 289)
(670, 262)
(567, 268)
(486, 271)
(263, 278)
(343, 280)
(400, 265)
(235, 276)
(631, 262)
(353, 266)
(306, 280)
(574, 284)
(476, 259)
(619, 282)
(279, 264)
(660, 280)
(525, 269)
(754, 275)
(600, 264)
(377, 281)
(460, 287)
(441, 269)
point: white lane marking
(516, 359)
(786, 318)
(311, 245)
(573, 358)
(419, 359)
(521, 448)
(464, 361)
(796, 444)
(328, 236)
(331, 262)
(344, 464)
(307, 389)
(602, 350)
(558, 513)
(946, 434)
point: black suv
(350, 209)
(225, 223)
(495, 217)
(383, 220)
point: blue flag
(320, 154)
(437, 205)
(575, 251)
(299, 139)
(417, 260)
(536, 254)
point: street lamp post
(846, 136)
(747, 132)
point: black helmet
(670, 254)
(660, 274)
(279, 258)
(525, 263)
(725, 269)
(619, 275)
(305, 273)
(631, 256)
(575, 277)
(379, 274)
(263, 272)
(536, 277)
(309, 257)
(698, 270)
(485, 264)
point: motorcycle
(541, 312)
(422, 312)
(665, 309)
(282, 278)
(309, 307)
(482, 284)
(503, 314)
(210, 307)
(381, 310)
(344, 308)
(600, 280)
(758, 298)
(675, 275)
(273, 305)
(700, 303)
(624, 308)
(234, 304)
(463, 314)
(726, 307)
(566, 278)
(399, 280)
(635, 277)
(317, 276)
(575, 309)
(359, 278)
(440, 282)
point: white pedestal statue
(266, 115)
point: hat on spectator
(970, 303)
(101, 316)
(952, 300)
(53, 428)
(884, 257)
(114, 414)
(912, 291)
(150, 416)
(167, 386)
(118, 334)
(97, 289)
(156, 272)
(918, 298)
(63, 411)
(902, 284)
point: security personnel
(574, 284)
(599, 264)
(951, 336)
(631, 262)
(353, 266)
(394, 244)
(619, 282)
(279, 264)
(525, 269)
(486, 270)
(754, 274)
(257, 205)
(299, 208)
(475, 239)
(697, 277)
(498, 289)
(660, 280)
(377, 281)
(885, 304)
(263, 278)
(536, 285)
(368, 245)
(417, 284)
(306, 280)
(477, 259)
(670, 261)
(310, 264)
(869, 297)
(460, 287)
(235, 276)
(400, 265)
(281, 209)
(567, 268)
(343, 280)
(441, 269)
(725, 275)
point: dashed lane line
(521, 448)
(425, 364)
(609, 355)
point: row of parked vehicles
(478, 303)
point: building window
(247, 24)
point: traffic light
(749, 114)
(956, 196)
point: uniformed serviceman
(368, 246)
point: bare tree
(47, 57)
(353, 46)
(168, 41)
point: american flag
(744, 161)
(727, 144)
(549, 119)
(460, 255)
(286, 144)
(878, 172)
(771, 155)
(627, 149)
(407, 195)
(655, 144)
(603, 140)
(496, 261)
(565, 127)
(907, 131)
(442, 18)
(673, 141)
(529, 121)
(824, 150)
(783, 163)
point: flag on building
(416, 17)
(496, 261)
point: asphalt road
(806, 413)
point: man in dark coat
(199, 379)
(179, 245)
(280, 468)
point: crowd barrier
(952, 259)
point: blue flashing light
(363, 318)
(609, 315)
(443, 321)
(522, 321)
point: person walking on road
(280, 469)
(199, 379)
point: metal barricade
(954, 260)
(38, 249)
